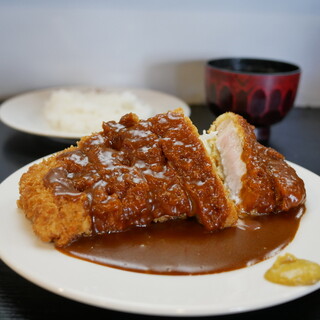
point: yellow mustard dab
(290, 271)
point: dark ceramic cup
(262, 91)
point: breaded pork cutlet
(259, 179)
(132, 173)
(53, 218)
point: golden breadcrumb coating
(269, 183)
(53, 218)
(149, 164)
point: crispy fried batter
(132, 173)
(53, 218)
(267, 184)
(137, 172)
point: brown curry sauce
(184, 247)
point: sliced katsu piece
(132, 173)
(258, 178)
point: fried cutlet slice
(259, 179)
(132, 173)
(53, 218)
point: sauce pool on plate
(184, 247)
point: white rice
(83, 112)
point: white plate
(224, 293)
(24, 112)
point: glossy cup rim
(295, 69)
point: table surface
(297, 137)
